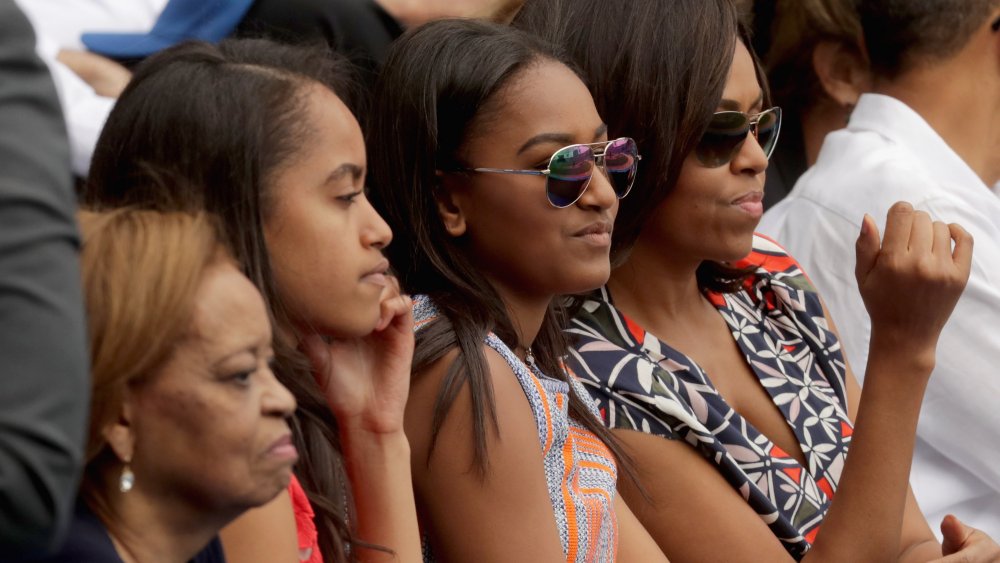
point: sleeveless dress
(580, 470)
(641, 383)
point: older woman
(188, 423)
(257, 133)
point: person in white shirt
(58, 26)
(927, 134)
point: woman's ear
(120, 434)
(842, 71)
(449, 204)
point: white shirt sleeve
(84, 110)
(960, 417)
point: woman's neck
(526, 313)
(146, 530)
(652, 284)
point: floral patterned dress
(641, 383)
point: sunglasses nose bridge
(755, 127)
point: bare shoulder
(462, 504)
(511, 404)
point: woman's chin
(585, 283)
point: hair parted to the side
(902, 34)
(141, 273)
(212, 126)
(657, 70)
(440, 85)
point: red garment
(304, 523)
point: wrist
(902, 353)
(358, 438)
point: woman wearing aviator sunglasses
(713, 338)
(491, 167)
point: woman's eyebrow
(733, 105)
(601, 131)
(561, 138)
(355, 171)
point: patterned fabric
(777, 320)
(580, 470)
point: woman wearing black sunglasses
(495, 171)
(714, 339)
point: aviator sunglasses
(728, 130)
(571, 168)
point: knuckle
(927, 268)
(891, 260)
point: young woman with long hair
(258, 133)
(494, 169)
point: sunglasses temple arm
(509, 171)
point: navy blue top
(88, 542)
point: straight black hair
(207, 127)
(657, 70)
(441, 84)
(902, 34)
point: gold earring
(127, 479)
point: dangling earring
(127, 479)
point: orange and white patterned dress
(580, 470)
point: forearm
(378, 466)
(927, 550)
(864, 522)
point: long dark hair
(657, 70)
(222, 120)
(439, 85)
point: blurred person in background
(928, 133)
(43, 354)
(813, 55)
(85, 41)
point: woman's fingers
(962, 254)
(954, 534)
(921, 234)
(942, 242)
(866, 249)
(394, 304)
(898, 225)
(387, 309)
(911, 283)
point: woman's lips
(283, 448)
(752, 204)
(377, 275)
(598, 234)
